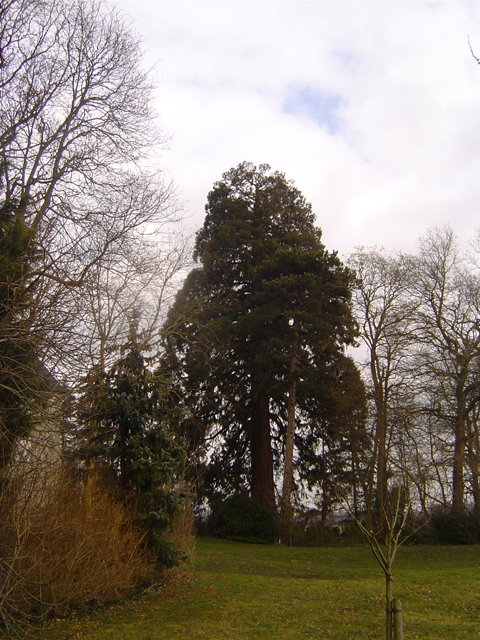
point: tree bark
(473, 454)
(286, 514)
(262, 483)
(381, 435)
(380, 439)
(388, 608)
(458, 482)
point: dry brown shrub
(93, 555)
(63, 548)
(182, 533)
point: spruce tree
(126, 428)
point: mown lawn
(234, 591)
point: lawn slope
(234, 591)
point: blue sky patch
(320, 106)
(346, 57)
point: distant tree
(448, 290)
(255, 328)
(143, 275)
(384, 306)
(419, 322)
(334, 447)
(125, 418)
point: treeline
(419, 326)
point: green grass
(234, 591)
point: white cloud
(392, 144)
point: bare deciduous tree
(391, 527)
(384, 309)
(448, 319)
(79, 143)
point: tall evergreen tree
(267, 308)
(126, 427)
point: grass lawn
(234, 591)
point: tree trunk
(286, 515)
(380, 440)
(87, 490)
(370, 487)
(458, 490)
(262, 484)
(388, 608)
(381, 437)
(354, 485)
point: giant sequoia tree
(264, 318)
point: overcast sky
(372, 108)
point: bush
(182, 533)
(450, 527)
(64, 547)
(242, 518)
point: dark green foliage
(452, 527)
(333, 443)
(241, 518)
(266, 291)
(20, 379)
(126, 427)
(443, 527)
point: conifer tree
(126, 428)
(267, 307)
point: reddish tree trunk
(289, 443)
(262, 484)
(286, 515)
